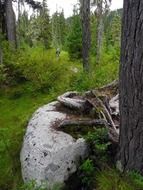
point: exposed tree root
(83, 122)
(107, 110)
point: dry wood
(83, 122)
(104, 110)
(113, 136)
(113, 84)
(70, 100)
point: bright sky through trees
(67, 5)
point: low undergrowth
(30, 78)
(99, 172)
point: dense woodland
(33, 73)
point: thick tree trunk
(85, 16)
(131, 87)
(10, 23)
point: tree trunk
(1, 56)
(10, 23)
(2, 18)
(85, 16)
(100, 29)
(131, 87)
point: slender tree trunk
(1, 56)
(131, 87)
(10, 23)
(85, 16)
(1, 15)
(18, 23)
(2, 18)
(100, 29)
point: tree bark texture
(85, 17)
(2, 17)
(10, 23)
(131, 87)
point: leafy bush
(99, 143)
(41, 69)
(87, 172)
(3, 75)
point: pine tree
(74, 37)
(58, 29)
(39, 30)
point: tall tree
(58, 29)
(74, 36)
(102, 7)
(44, 24)
(10, 22)
(85, 17)
(131, 87)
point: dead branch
(83, 122)
(113, 136)
(113, 84)
(70, 100)
(104, 110)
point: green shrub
(3, 75)
(136, 179)
(99, 144)
(87, 172)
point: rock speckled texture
(48, 154)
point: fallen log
(73, 101)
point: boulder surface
(48, 154)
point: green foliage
(3, 74)
(99, 144)
(33, 186)
(87, 172)
(36, 30)
(110, 179)
(31, 77)
(58, 29)
(136, 179)
(34, 63)
(74, 38)
(113, 30)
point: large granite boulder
(49, 154)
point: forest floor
(17, 103)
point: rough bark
(10, 23)
(2, 17)
(85, 17)
(131, 87)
